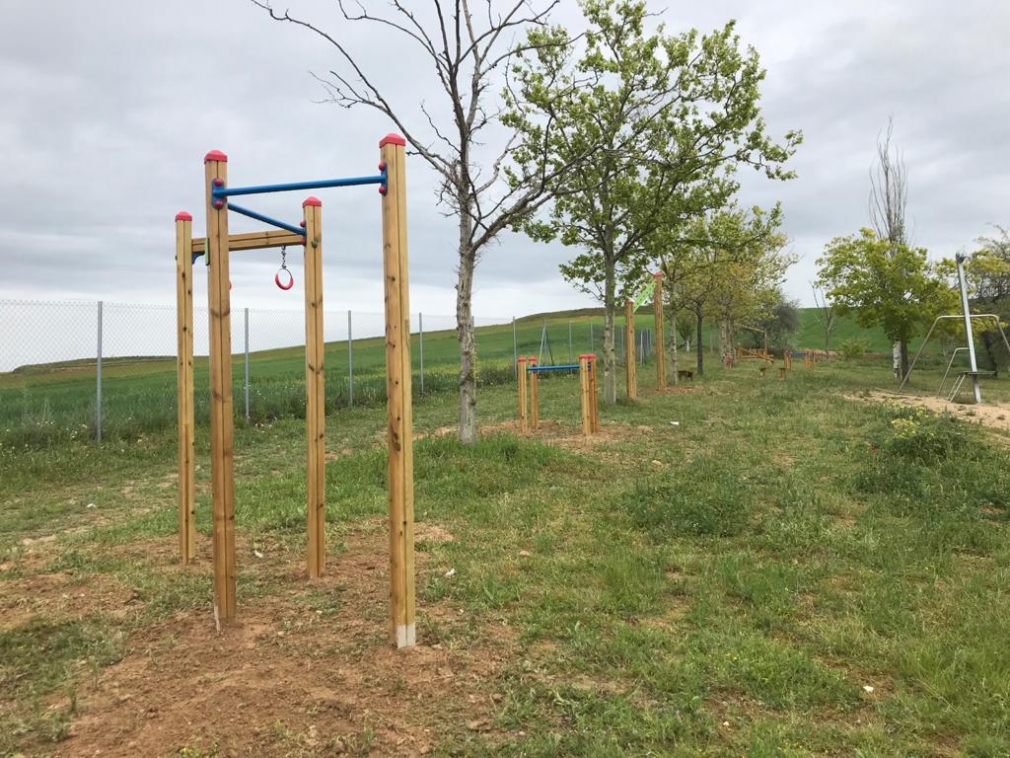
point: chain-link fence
(73, 370)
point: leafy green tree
(722, 266)
(988, 275)
(676, 115)
(780, 319)
(886, 284)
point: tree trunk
(700, 344)
(726, 342)
(464, 331)
(609, 361)
(673, 348)
(904, 359)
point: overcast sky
(109, 107)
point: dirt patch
(988, 415)
(431, 533)
(686, 387)
(62, 596)
(309, 672)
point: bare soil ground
(308, 671)
(987, 414)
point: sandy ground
(989, 415)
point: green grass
(728, 586)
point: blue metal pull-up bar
(220, 193)
(267, 219)
(566, 367)
(354, 181)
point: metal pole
(592, 344)
(246, 314)
(967, 327)
(569, 341)
(515, 349)
(350, 364)
(420, 330)
(98, 377)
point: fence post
(350, 364)
(420, 345)
(98, 379)
(515, 348)
(246, 314)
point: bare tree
(825, 315)
(889, 192)
(887, 205)
(469, 44)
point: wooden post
(657, 304)
(222, 423)
(584, 402)
(594, 397)
(315, 396)
(184, 365)
(521, 374)
(631, 360)
(531, 362)
(392, 150)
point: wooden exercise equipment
(217, 246)
(529, 400)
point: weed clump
(705, 499)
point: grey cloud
(105, 126)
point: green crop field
(48, 404)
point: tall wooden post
(657, 304)
(392, 149)
(534, 394)
(631, 360)
(315, 407)
(594, 397)
(587, 413)
(184, 366)
(521, 375)
(222, 422)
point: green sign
(644, 294)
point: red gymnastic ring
(282, 285)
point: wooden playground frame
(630, 361)
(529, 397)
(217, 247)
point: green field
(52, 404)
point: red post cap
(521, 359)
(183, 216)
(392, 139)
(658, 274)
(585, 356)
(314, 201)
(215, 155)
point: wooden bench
(683, 373)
